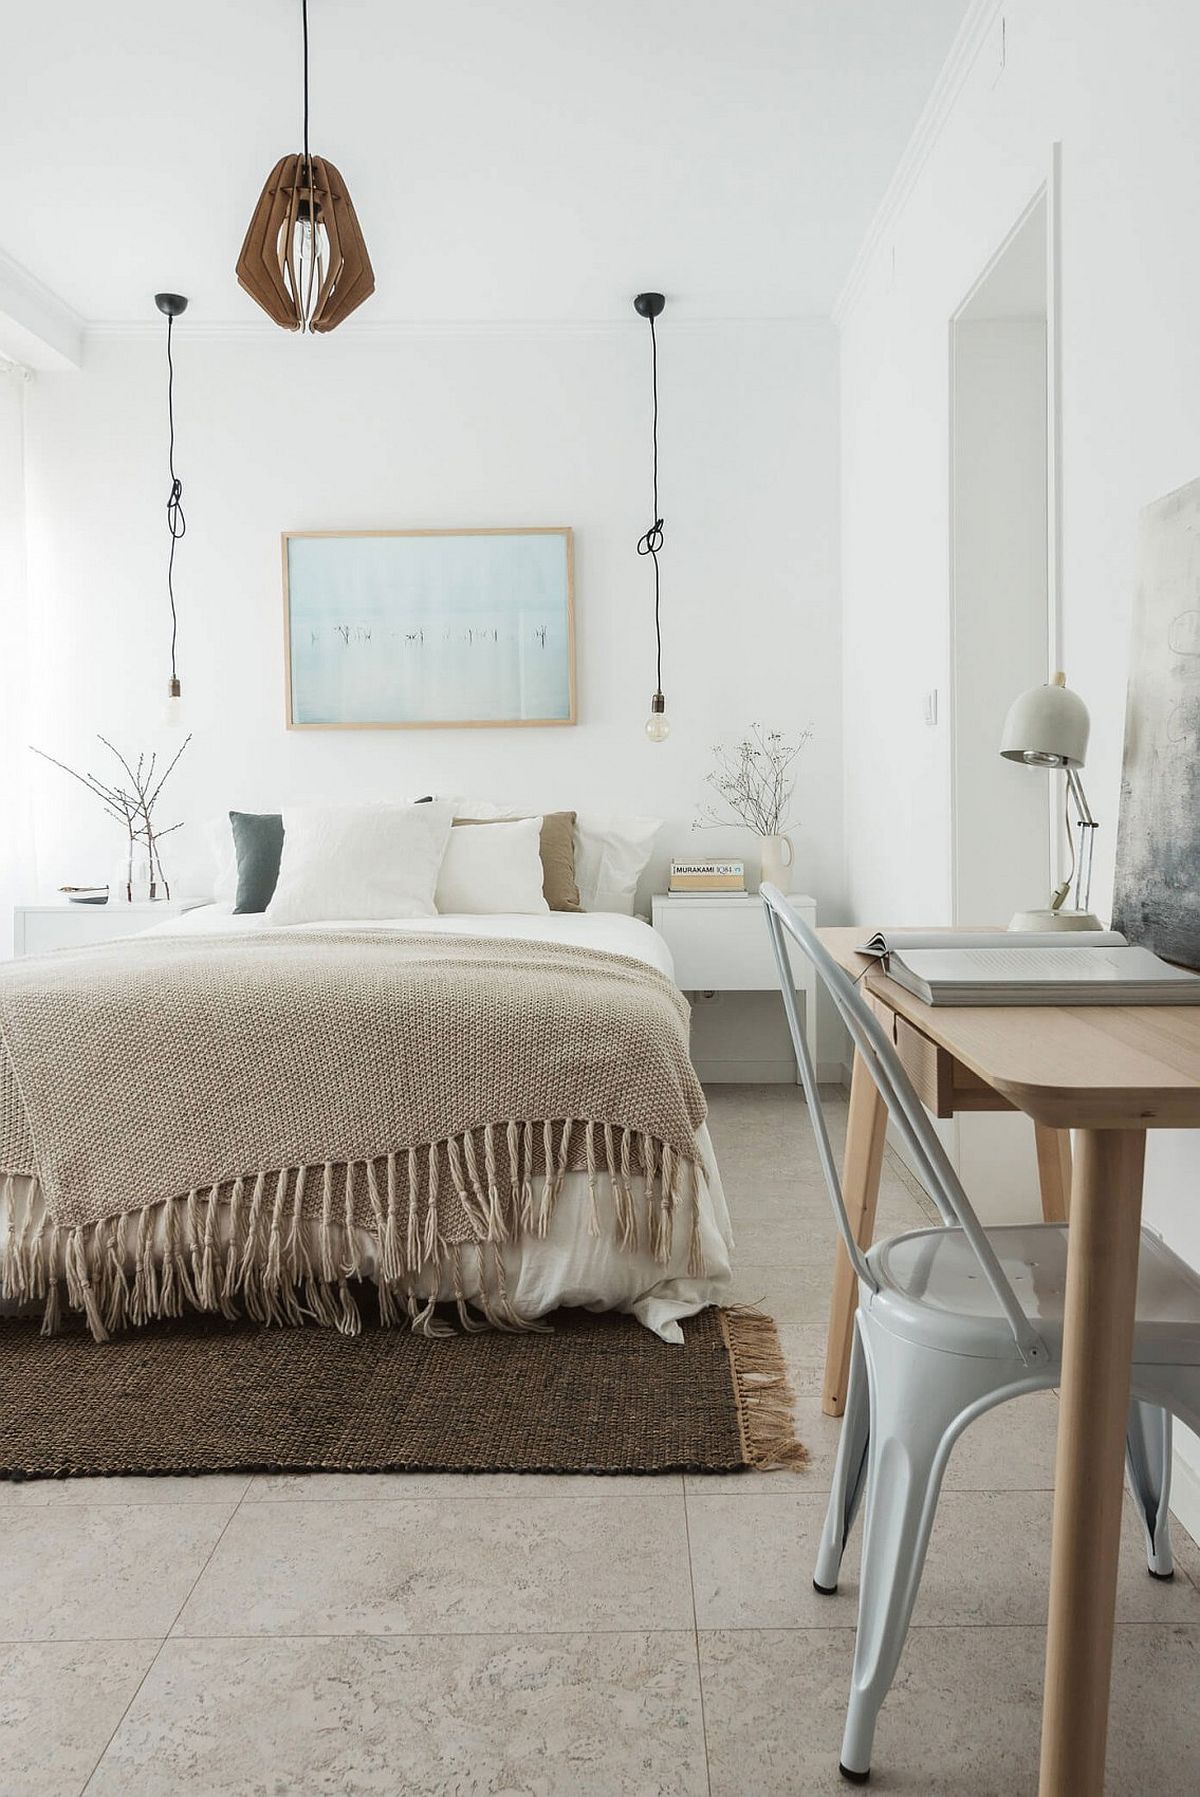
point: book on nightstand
(708, 877)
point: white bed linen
(609, 930)
(571, 1266)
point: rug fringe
(765, 1399)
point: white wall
(1115, 84)
(459, 427)
(16, 845)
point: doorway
(1003, 474)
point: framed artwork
(1156, 898)
(429, 629)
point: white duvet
(570, 1266)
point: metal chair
(950, 1322)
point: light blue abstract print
(468, 627)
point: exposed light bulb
(306, 258)
(657, 727)
(172, 712)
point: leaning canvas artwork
(1157, 893)
(429, 629)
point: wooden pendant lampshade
(304, 259)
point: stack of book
(708, 877)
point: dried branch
(133, 808)
(754, 783)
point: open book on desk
(996, 967)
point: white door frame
(1049, 193)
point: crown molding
(37, 328)
(422, 330)
(964, 51)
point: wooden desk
(1109, 1073)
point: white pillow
(611, 855)
(354, 861)
(493, 867)
(219, 837)
(484, 808)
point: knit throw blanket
(222, 1120)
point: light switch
(931, 706)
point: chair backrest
(905, 1110)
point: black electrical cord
(652, 541)
(305, 27)
(176, 522)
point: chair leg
(1148, 1459)
(849, 1474)
(917, 1399)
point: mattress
(570, 1265)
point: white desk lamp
(1048, 727)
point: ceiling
(509, 159)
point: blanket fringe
(290, 1250)
(765, 1399)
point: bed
(577, 1258)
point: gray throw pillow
(258, 844)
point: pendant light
(649, 306)
(304, 259)
(171, 305)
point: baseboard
(1185, 1494)
(772, 1072)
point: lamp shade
(1047, 727)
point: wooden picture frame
(420, 624)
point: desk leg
(866, 1130)
(1054, 1171)
(1102, 1260)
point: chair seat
(933, 1290)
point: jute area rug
(196, 1395)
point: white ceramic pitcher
(778, 858)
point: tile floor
(459, 1637)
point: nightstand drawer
(722, 945)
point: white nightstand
(39, 928)
(721, 944)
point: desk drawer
(929, 1067)
(943, 1084)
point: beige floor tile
(791, 1295)
(1011, 1448)
(803, 1237)
(24, 1494)
(964, 1714)
(59, 1703)
(988, 1564)
(216, 1490)
(752, 1561)
(454, 1567)
(613, 1715)
(223, 1489)
(102, 1571)
(377, 1487)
